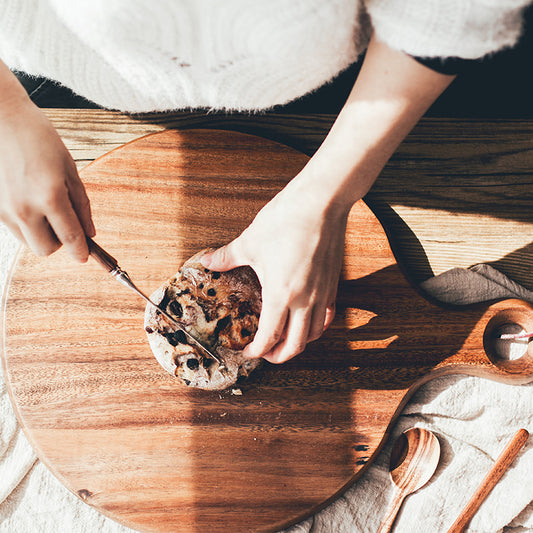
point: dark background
(499, 86)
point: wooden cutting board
(128, 439)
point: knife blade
(110, 264)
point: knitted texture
(140, 55)
(468, 29)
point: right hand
(42, 199)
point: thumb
(222, 259)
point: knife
(110, 264)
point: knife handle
(106, 260)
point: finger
(330, 315)
(296, 339)
(67, 227)
(223, 259)
(318, 320)
(14, 229)
(80, 202)
(272, 321)
(39, 236)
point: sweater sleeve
(467, 29)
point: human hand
(296, 242)
(42, 199)
(296, 248)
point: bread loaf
(220, 309)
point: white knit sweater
(155, 55)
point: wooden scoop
(414, 459)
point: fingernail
(206, 260)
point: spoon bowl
(414, 459)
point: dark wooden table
(456, 193)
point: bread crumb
(236, 392)
(223, 414)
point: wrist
(320, 193)
(333, 179)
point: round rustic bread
(219, 309)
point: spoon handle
(502, 463)
(392, 510)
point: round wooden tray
(128, 439)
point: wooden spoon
(414, 459)
(503, 462)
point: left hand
(296, 248)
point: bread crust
(220, 309)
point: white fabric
(138, 55)
(473, 418)
(458, 28)
(145, 55)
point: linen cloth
(472, 417)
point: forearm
(391, 94)
(296, 242)
(11, 90)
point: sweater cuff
(448, 65)
(467, 29)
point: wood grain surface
(457, 192)
(128, 439)
(414, 458)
